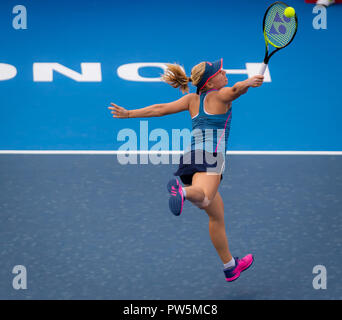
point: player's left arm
(179, 105)
(155, 110)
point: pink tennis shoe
(176, 200)
(240, 265)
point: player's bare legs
(204, 193)
(217, 229)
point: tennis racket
(279, 31)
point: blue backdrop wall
(299, 109)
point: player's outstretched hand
(256, 81)
(119, 112)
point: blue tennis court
(86, 226)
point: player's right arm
(228, 94)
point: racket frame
(268, 42)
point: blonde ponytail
(177, 78)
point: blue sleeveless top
(210, 132)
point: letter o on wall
(7, 71)
(130, 71)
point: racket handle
(263, 68)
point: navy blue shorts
(199, 161)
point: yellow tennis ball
(289, 12)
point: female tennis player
(201, 168)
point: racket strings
(279, 29)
